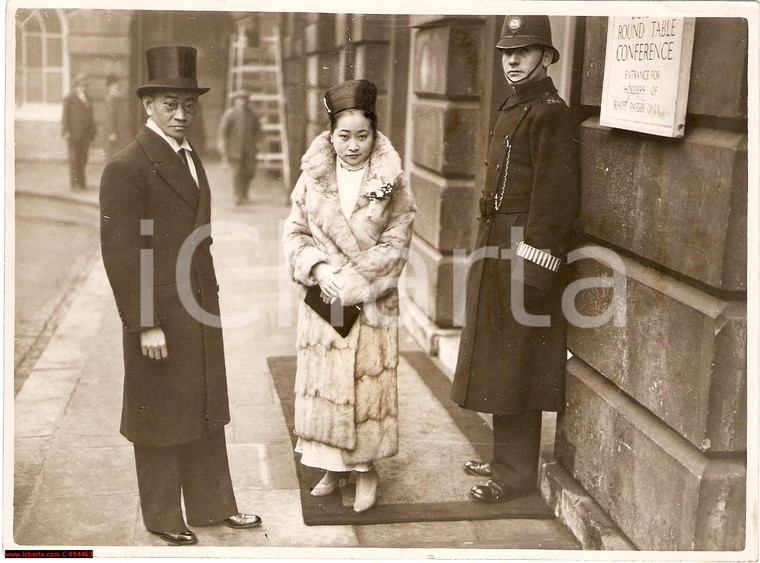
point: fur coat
(345, 389)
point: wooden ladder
(258, 69)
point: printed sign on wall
(646, 74)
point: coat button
(498, 167)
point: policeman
(512, 354)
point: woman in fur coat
(348, 233)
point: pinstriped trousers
(198, 470)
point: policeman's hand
(153, 343)
(328, 280)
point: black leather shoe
(241, 520)
(477, 468)
(182, 538)
(493, 491)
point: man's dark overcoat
(77, 120)
(239, 133)
(181, 398)
(117, 123)
(504, 366)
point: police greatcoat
(504, 365)
(150, 205)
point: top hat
(171, 68)
(352, 94)
(522, 31)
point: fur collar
(319, 162)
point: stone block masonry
(657, 487)
(681, 353)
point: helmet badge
(514, 23)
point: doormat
(414, 505)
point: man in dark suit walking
(155, 225)
(116, 118)
(239, 133)
(78, 130)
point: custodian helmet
(522, 31)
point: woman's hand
(328, 280)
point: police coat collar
(519, 95)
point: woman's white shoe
(366, 490)
(328, 484)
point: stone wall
(294, 73)
(320, 50)
(450, 110)
(654, 427)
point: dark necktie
(185, 157)
(183, 154)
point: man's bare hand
(153, 343)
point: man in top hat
(115, 116)
(239, 133)
(78, 130)
(512, 354)
(153, 195)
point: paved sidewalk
(74, 473)
(55, 241)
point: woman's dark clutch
(339, 317)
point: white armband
(538, 256)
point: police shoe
(241, 520)
(477, 468)
(493, 491)
(186, 537)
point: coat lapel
(169, 167)
(203, 213)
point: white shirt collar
(172, 142)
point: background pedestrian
(239, 135)
(78, 130)
(116, 118)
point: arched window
(39, 57)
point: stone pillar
(323, 49)
(448, 122)
(377, 48)
(322, 67)
(655, 421)
(294, 70)
(345, 44)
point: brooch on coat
(377, 190)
